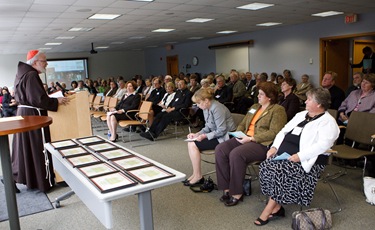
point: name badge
(157, 93)
(252, 111)
(297, 131)
(176, 99)
(217, 96)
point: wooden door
(172, 65)
(357, 51)
(337, 60)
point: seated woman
(164, 102)
(129, 101)
(261, 124)
(306, 138)
(289, 100)
(9, 105)
(219, 122)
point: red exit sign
(350, 18)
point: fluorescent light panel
(200, 20)
(137, 37)
(327, 13)
(105, 16)
(226, 32)
(53, 44)
(65, 37)
(117, 43)
(161, 30)
(80, 29)
(269, 24)
(139, 0)
(102, 47)
(255, 6)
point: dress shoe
(147, 135)
(199, 182)
(185, 181)
(115, 140)
(225, 197)
(233, 201)
(280, 213)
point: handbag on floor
(369, 187)
(247, 186)
(316, 218)
(207, 186)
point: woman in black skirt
(306, 138)
(129, 101)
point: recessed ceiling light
(80, 29)
(84, 10)
(163, 30)
(102, 47)
(53, 44)
(195, 38)
(140, 0)
(65, 37)
(226, 32)
(269, 24)
(255, 6)
(105, 16)
(327, 13)
(137, 37)
(200, 20)
(44, 48)
(117, 43)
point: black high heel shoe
(280, 213)
(115, 140)
(225, 197)
(233, 201)
(199, 182)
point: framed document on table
(97, 169)
(112, 182)
(63, 144)
(131, 163)
(72, 152)
(87, 159)
(90, 140)
(149, 174)
(115, 153)
(101, 147)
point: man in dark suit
(223, 93)
(156, 96)
(182, 99)
(368, 61)
(337, 94)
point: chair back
(237, 118)
(106, 101)
(91, 98)
(112, 102)
(333, 113)
(96, 102)
(361, 127)
(144, 110)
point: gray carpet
(28, 202)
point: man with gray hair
(337, 94)
(30, 164)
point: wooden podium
(71, 120)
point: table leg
(10, 194)
(145, 210)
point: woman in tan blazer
(261, 124)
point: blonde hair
(203, 94)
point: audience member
(337, 94)
(205, 83)
(156, 96)
(73, 85)
(273, 77)
(140, 85)
(288, 100)
(9, 104)
(368, 61)
(302, 88)
(52, 87)
(357, 79)
(103, 87)
(80, 87)
(182, 99)
(249, 82)
(194, 85)
(111, 91)
(223, 93)
(121, 90)
(287, 74)
(91, 87)
(306, 138)
(129, 101)
(261, 124)
(238, 87)
(148, 87)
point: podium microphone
(62, 88)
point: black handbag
(247, 186)
(207, 186)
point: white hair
(32, 60)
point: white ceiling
(29, 24)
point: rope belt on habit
(46, 160)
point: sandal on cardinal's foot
(261, 222)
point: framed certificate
(112, 182)
(131, 163)
(83, 160)
(73, 152)
(150, 174)
(115, 153)
(97, 169)
(63, 144)
(101, 147)
(90, 140)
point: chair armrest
(331, 151)
(131, 111)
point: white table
(101, 203)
